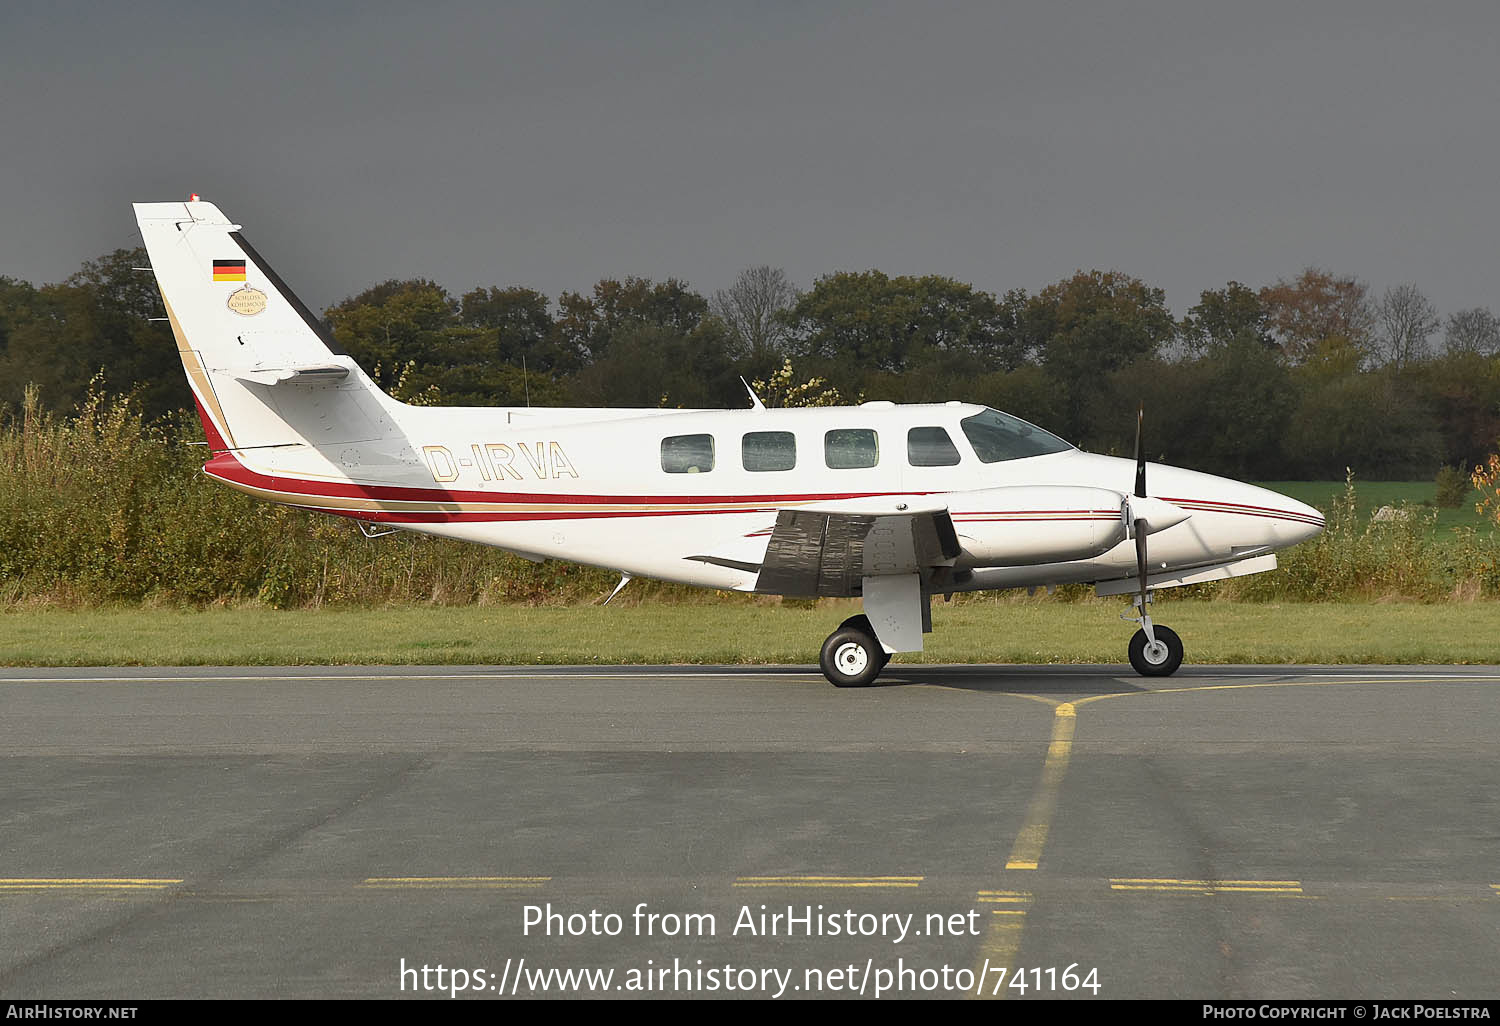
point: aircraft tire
(852, 658)
(1164, 666)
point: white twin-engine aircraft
(890, 503)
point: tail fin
(265, 372)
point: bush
(1399, 557)
(100, 506)
(1453, 487)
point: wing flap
(815, 552)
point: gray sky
(551, 144)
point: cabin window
(768, 450)
(930, 447)
(851, 449)
(998, 436)
(687, 454)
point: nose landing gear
(1159, 657)
(1155, 651)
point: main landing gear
(852, 657)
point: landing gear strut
(1154, 651)
(852, 657)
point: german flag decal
(229, 270)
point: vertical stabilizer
(265, 372)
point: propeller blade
(1140, 561)
(1140, 491)
(1140, 453)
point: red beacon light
(193, 197)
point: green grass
(1004, 630)
(1375, 494)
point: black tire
(851, 658)
(1162, 667)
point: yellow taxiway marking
(1328, 682)
(1004, 897)
(498, 883)
(1027, 852)
(1175, 886)
(1002, 941)
(17, 884)
(828, 881)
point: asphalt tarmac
(1230, 832)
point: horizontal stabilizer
(743, 553)
(314, 374)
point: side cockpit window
(851, 449)
(930, 447)
(687, 454)
(998, 436)
(768, 450)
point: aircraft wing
(829, 548)
(816, 552)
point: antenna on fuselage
(754, 399)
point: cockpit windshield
(998, 436)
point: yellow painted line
(1027, 852)
(83, 886)
(1202, 883)
(1170, 885)
(86, 880)
(455, 882)
(1001, 941)
(1332, 682)
(1208, 890)
(1003, 898)
(997, 952)
(77, 884)
(1197, 887)
(828, 881)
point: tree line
(1298, 378)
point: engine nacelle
(1025, 525)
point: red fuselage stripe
(229, 469)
